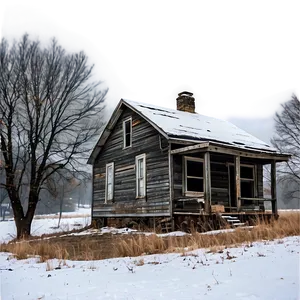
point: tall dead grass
(108, 246)
(287, 225)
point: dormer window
(127, 133)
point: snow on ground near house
(264, 270)
(126, 230)
(45, 224)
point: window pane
(127, 140)
(247, 172)
(141, 183)
(194, 185)
(127, 133)
(109, 191)
(247, 189)
(194, 168)
(127, 126)
(141, 187)
(109, 175)
(140, 168)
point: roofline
(222, 148)
(111, 124)
(222, 144)
(105, 134)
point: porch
(209, 178)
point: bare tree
(4, 207)
(59, 186)
(50, 111)
(287, 140)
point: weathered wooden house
(155, 163)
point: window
(109, 182)
(193, 175)
(127, 133)
(247, 181)
(140, 168)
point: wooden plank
(237, 168)
(207, 183)
(125, 168)
(273, 187)
(252, 153)
(258, 199)
(171, 185)
(217, 208)
(117, 215)
(190, 148)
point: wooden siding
(145, 139)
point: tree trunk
(23, 228)
(23, 222)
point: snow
(266, 270)
(192, 125)
(46, 224)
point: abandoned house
(154, 163)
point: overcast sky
(256, 118)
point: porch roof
(225, 149)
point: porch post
(207, 183)
(273, 187)
(237, 167)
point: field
(251, 263)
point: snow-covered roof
(193, 126)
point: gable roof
(179, 125)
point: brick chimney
(185, 102)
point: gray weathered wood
(237, 168)
(257, 199)
(207, 182)
(273, 187)
(145, 139)
(190, 148)
(253, 154)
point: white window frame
(143, 192)
(185, 191)
(112, 166)
(129, 119)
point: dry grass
(287, 225)
(107, 245)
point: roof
(179, 125)
(193, 126)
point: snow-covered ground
(48, 224)
(264, 270)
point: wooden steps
(233, 221)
